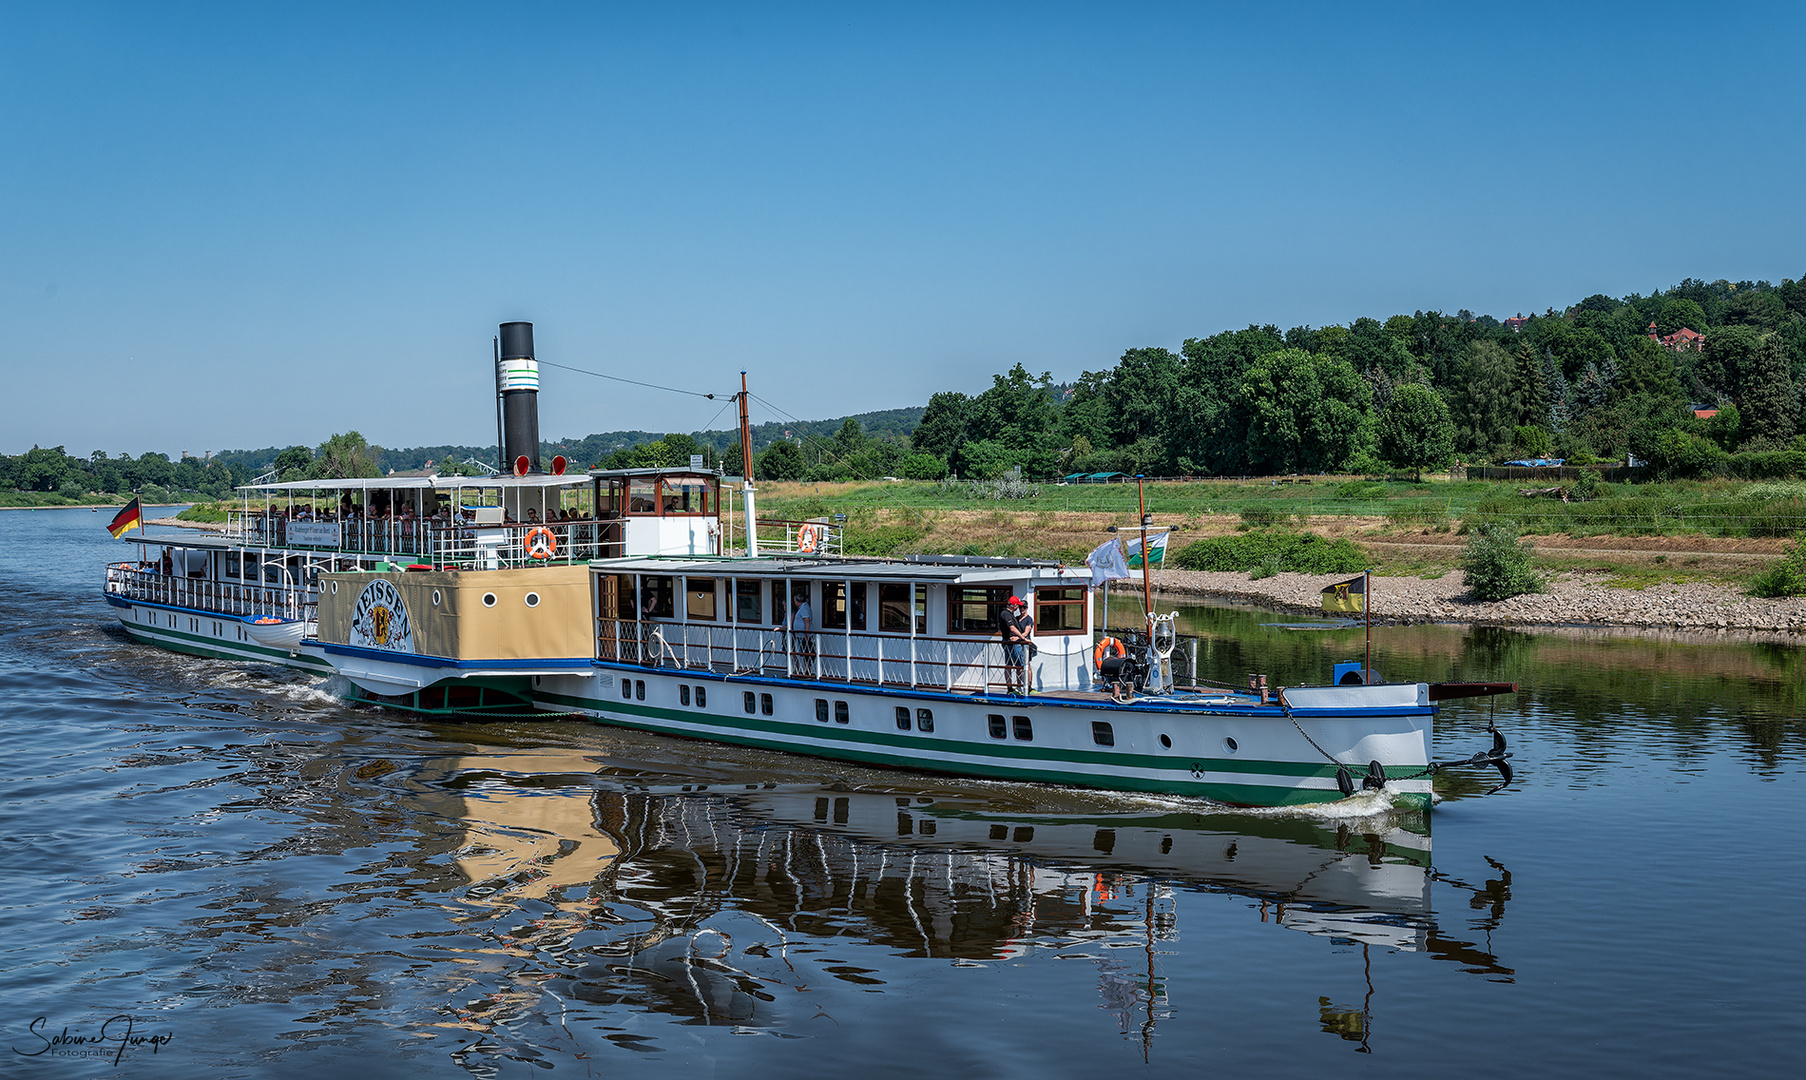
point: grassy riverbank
(1632, 535)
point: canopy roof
(410, 483)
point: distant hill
(590, 449)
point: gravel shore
(1574, 599)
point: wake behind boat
(615, 595)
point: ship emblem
(380, 619)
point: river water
(219, 870)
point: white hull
(1245, 754)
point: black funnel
(517, 381)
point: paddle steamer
(622, 596)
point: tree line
(1595, 381)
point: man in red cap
(1018, 630)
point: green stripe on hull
(766, 735)
(213, 648)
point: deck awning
(415, 483)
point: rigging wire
(634, 382)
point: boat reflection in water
(713, 903)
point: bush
(1586, 487)
(1786, 576)
(1497, 564)
(1270, 552)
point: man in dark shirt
(1016, 628)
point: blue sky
(229, 226)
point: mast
(1367, 609)
(1147, 587)
(746, 500)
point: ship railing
(513, 545)
(151, 586)
(777, 536)
(434, 540)
(964, 665)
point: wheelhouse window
(747, 608)
(658, 598)
(700, 598)
(684, 496)
(1060, 610)
(972, 609)
(642, 497)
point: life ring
(541, 543)
(1105, 648)
(807, 537)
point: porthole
(999, 729)
(1229, 745)
(639, 689)
(335, 588)
(765, 705)
(702, 697)
(902, 718)
(924, 719)
(1102, 734)
(1023, 728)
(750, 700)
(435, 597)
(532, 599)
(1166, 741)
(821, 710)
(841, 715)
(488, 599)
(683, 695)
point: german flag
(132, 517)
(1350, 595)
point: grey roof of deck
(400, 483)
(926, 569)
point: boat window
(639, 689)
(859, 622)
(701, 593)
(998, 728)
(840, 712)
(902, 718)
(1025, 730)
(702, 697)
(1102, 734)
(642, 497)
(657, 599)
(821, 709)
(924, 719)
(746, 602)
(765, 704)
(972, 609)
(834, 606)
(685, 496)
(1060, 611)
(750, 701)
(683, 695)
(626, 688)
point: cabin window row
(1021, 726)
(701, 694)
(760, 703)
(882, 607)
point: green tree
(942, 429)
(1768, 405)
(1304, 411)
(295, 463)
(346, 455)
(1680, 313)
(1485, 408)
(1415, 430)
(780, 461)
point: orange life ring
(807, 537)
(1106, 647)
(541, 543)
